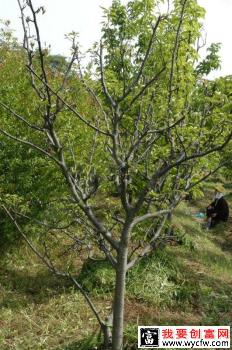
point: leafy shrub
(97, 276)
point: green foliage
(29, 183)
(211, 62)
(97, 277)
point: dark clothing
(219, 207)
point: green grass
(187, 283)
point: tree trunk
(107, 336)
(118, 308)
(106, 330)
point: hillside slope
(182, 284)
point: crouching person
(218, 210)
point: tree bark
(118, 309)
(107, 336)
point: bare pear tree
(154, 137)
